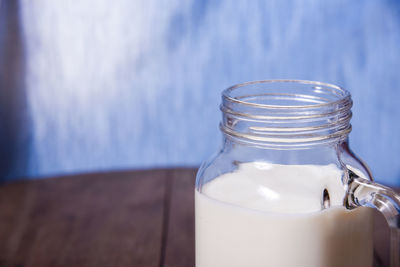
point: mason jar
(285, 189)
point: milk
(270, 215)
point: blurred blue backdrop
(99, 85)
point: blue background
(100, 85)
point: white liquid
(275, 220)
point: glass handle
(362, 192)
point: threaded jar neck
(286, 113)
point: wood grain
(133, 218)
(381, 241)
(92, 220)
(180, 237)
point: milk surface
(270, 215)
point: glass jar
(285, 189)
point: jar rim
(342, 94)
(292, 113)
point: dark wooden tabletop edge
(90, 174)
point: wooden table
(129, 218)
